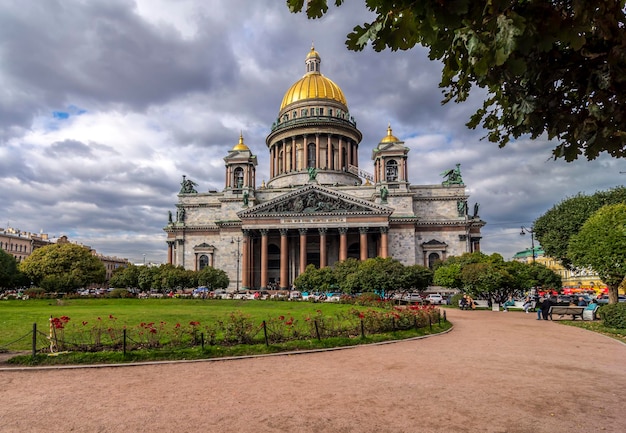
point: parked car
(333, 297)
(413, 298)
(434, 298)
(295, 295)
(604, 299)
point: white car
(434, 298)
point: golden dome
(313, 85)
(241, 146)
(390, 138)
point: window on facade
(432, 258)
(321, 111)
(280, 162)
(392, 171)
(294, 114)
(330, 111)
(311, 155)
(238, 177)
(203, 262)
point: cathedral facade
(318, 206)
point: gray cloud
(106, 104)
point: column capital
(264, 232)
(303, 230)
(323, 230)
(343, 230)
(384, 230)
(283, 232)
(363, 230)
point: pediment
(314, 200)
(434, 243)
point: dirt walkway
(495, 372)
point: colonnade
(247, 262)
(290, 155)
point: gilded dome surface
(313, 85)
(241, 146)
(389, 138)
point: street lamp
(232, 241)
(532, 239)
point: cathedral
(318, 206)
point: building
(573, 280)
(21, 244)
(318, 206)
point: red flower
(111, 317)
(194, 323)
(281, 317)
(84, 323)
(177, 325)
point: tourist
(528, 303)
(509, 303)
(539, 307)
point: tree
(378, 275)
(601, 245)
(213, 278)
(125, 276)
(549, 66)
(416, 277)
(555, 228)
(10, 276)
(63, 267)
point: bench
(563, 310)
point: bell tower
(240, 168)
(390, 163)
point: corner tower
(314, 137)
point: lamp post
(532, 239)
(232, 241)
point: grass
(212, 352)
(17, 318)
(598, 326)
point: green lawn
(17, 317)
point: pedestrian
(528, 303)
(545, 307)
(582, 302)
(509, 303)
(539, 307)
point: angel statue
(453, 176)
(187, 186)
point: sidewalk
(494, 372)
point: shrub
(119, 293)
(454, 301)
(614, 315)
(35, 292)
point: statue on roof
(312, 173)
(453, 176)
(187, 186)
(384, 192)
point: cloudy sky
(105, 104)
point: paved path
(495, 372)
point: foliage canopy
(549, 66)
(554, 228)
(601, 245)
(63, 267)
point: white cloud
(145, 91)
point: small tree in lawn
(601, 245)
(63, 267)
